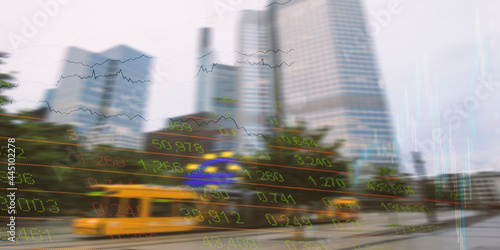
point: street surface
(480, 232)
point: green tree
(292, 155)
(302, 163)
(5, 82)
(32, 155)
(52, 163)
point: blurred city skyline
(422, 57)
(265, 124)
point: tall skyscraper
(217, 90)
(256, 69)
(334, 80)
(217, 83)
(206, 65)
(102, 96)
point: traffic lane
(191, 240)
(322, 237)
(483, 235)
(327, 235)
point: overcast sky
(431, 55)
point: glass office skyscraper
(100, 93)
(217, 83)
(205, 68)
(256, 76)
(334, 80)
(217, 90)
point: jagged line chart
(264, 52)
(201, 69)
(109, 60)
(152, 57)
(141, 117)
(262, 62)
(128, 79)
(127, 60)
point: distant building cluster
(101, 97)
(481, 189)
(291, 66)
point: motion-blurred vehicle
(144, 209)
(342, 209)
(131, 209)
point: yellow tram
(132, 209)
(128, 209)
(146, 209)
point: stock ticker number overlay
(309, 244)
(173, 167)
(430, 228)
(29, 234)
(21, 178)
(237, 243)
(266, 176)
(283, 198)
(215, 217)
(311, 161)
(298, 141)
(114, 209)
(178, 126)
(106, 161)
(213, 193)
(166, 165)
(409, 208)
(290, 221)
(355, 226)
(383, 187)
(384, 170)
(18, 152)
(74, 136)
(328, 182)
(134, 236)
(262, 155)
(224, 132)
(329, 203)
(35, 205)
(110, 181)
(179, 146)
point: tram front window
(105, 207)
(161, 208)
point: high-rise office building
(206, 65)
(256, 68)
(217, 91)
(217, 84)
(225, 99)
(334, 81)
(102, 96)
